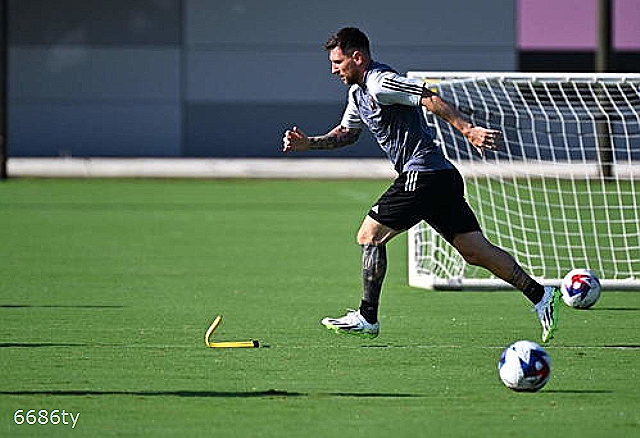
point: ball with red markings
(581, 288)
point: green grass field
(107, 288)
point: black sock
(369, 311)
(534, 291)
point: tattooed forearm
(336, 138)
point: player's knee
(373, 233)
(364, 237)
(368, 236)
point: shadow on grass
(272, 393)
(38, 345)
(578, 391)
(57, 306)
(613, 309)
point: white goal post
(562, 192)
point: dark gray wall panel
(72, 73)
(95, 22)
(256, 130)
(94, 129)
(266, 76)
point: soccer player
(428, 186)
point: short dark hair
(349, 39)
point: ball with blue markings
(524, 366)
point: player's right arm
(398, 89)
(340, 136)
(480, 138)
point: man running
(428, 186)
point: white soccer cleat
(353, 323)
(547, 310)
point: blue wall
(220, 78)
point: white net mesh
(564, 190)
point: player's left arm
(480, 138)
(340, 136)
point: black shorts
(435, 197)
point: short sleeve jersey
(395, 119)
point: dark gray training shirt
(396, 121)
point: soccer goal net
(563, 191)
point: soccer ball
(524, 366)
(580, 289)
